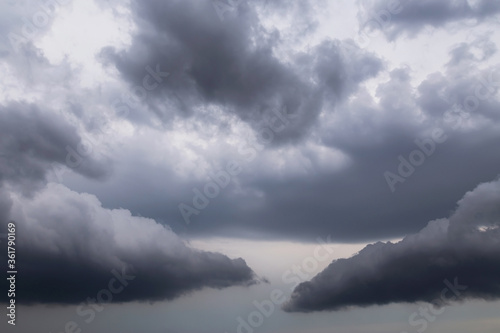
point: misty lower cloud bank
(463, 248)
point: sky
(219, 166)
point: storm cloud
(69, 248)
(226, 76)
(463, 250)
(232, 65)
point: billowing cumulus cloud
(199, 60)
(332, 155)
(373, 135)
(69, 248)
(462, 250)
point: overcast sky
(251, 165)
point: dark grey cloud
(69, 248)
(411, 16)
(34, 142)
(372, 135)
(463, 249)
(233, 64)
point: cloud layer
(463, 249)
